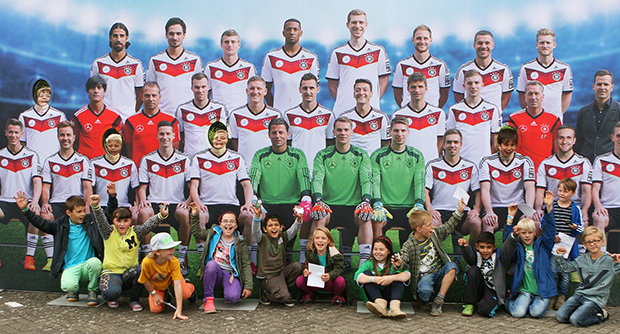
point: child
(428, 262)
(381, 281)
(159, 269)
(226, 262)
(278, 277)
(597, 270)
(533, 284)
(567, 216)
(486, 283)
(120, 253)
(322, 251)
(78, 247)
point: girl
(322, 251)
(380, 282)
(225, 261)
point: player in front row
(285, 66)
(435, 70)
(20, 170)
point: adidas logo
(97, 121)
(150, 123)
(533, 123)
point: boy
(486, 282)
(597, 270)
(278, 277)
(533, 284)
(78, 247)
(427, 260)
(159, 269)
(567, 217)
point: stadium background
(59, 39)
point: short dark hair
(567, 126)
(164, 123)
(65, 124)
(199, 76)
(120, 25)
(94, 81)
(482, 33)
(486, 237)
(452, 132)
(121, 213)
(308, 76)
(13, 121)
(416, 77)
(277, 121)
(363, 80)
(271, 217)
(399, 120)
(152, 84)
(73, 202)
(602, 73)
(291, 20)
(507, 134)
(176, 20)
(568, 183)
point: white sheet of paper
(460, 193)
(314, 279)
(566, 241)
(526, 209)
(13, 304)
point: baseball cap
(163, 240)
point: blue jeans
(580, 311)
(427, 283)
(562, 279)
(112, 285)
(524, 302)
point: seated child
(428, 262)
(381, 281)
(533, 284)
(121, 242)
(597, 271)
(567, 216)
(159, 269)
(278, 278)
(78, 247)
(322, 251)
(486, 282)
(226, 261)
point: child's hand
(557, 239)
(378, 279)
(325, 277)
(561, 251)
(573, 226)
(94, 200)
(21, 200)
(513, 209)
(163, 209)
(615, 258)
(158, 299)
(298, 212)
(396, 260)
(462, 206)
(463, 242)
(193, 208)
(179, 315)
(548, 200)
(111, 189)
(386, 280)
(246, 293)
(306, 272)
(258, 209)
(516, 230)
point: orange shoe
(29, 263)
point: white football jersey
(310, 129)
(442, 179)
(251, 131)
(166, 177)
(557, 79)
(434, 69)
(424, 125)
(229, 82)
(218, 176)
(606, 170)
(40, 133)
(507, 181)
(123, 173)
(194, 122)
(497, 78)
(17, 171)
(369, 130)
(552, 170)
(66, 176)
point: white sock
(200, 247)
(31, 243)
(182, 253)
(48, 245)
(253, 251)
(364, 253)
(303, 247)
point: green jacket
(242, 254)
(335, 262)
(410, 251)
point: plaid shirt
(410, 251)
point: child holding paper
(322, 251)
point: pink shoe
(209, 306)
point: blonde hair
(527, 224)
(545, 32)
(419, 218)
(593, 230)
(355, 12)
(328, 233)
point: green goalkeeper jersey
(280, 178)
(342, 178)
(398, 177)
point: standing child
(278, 278)
(322, 251)
(381, 281)
(159, 269)
(597, 271)
(226, 261)
(428, 262)
(486, 282)
(533, 284)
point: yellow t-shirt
(120, 252)
(160, 275)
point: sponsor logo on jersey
(174, 70)
(117, 72)
(41, 124)
(545, 78)
(357, 61)
(16, 165)
(230, 77)
(254, 125)
(113, 175)
(200, 120)
(452, 177)
(219, 167)
(473, 118)
(290, 67)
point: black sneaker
(604, 315)
(347, 267)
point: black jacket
(592, 143)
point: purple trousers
(336, 286)
(215, 276)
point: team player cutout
(173, 68)
(123, 73)
(311, 124)
(443, 176)
(20, 170)
(476, 118)
(140, 130)
(197, 115)
(435, 70)
(565, 163)
(498, 82)
(356, 59)
(92, 120)
(556, 76)
(424, 120)
(285, 66)
(165, 172)
(229, 75)
(341, 177)
(397, 179)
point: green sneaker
(468, 310)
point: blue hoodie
(213, 243)
(577, 220)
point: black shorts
(216, 210)
(58, 210)
(445, 216)
(284, 211)
(11, 210)
(171, 220)
(400, 219)
(614, 219)
(502, 215)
